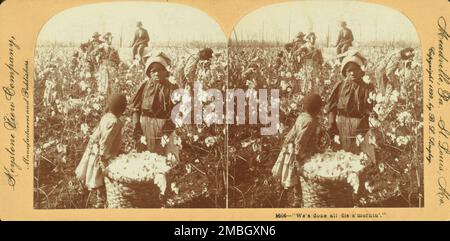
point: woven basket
(326, 193)
(132, 195)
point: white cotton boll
(381, 167)
(179, 121)
(379, 98)
(174, 188)
(96, 106)
(394, 96)
(256, 147)
(368, 187)
(334, 165)
(172, 79)
(202, 96)
(38, 151)
(372, 140)
(84, 128)
(366, 79)
(188, 168)
(359, 139)
(211, 118)
(46, 145)
(284, 85)
(176, 97)
(61, 148)
(280, 128)
(87, 110)
(402, 140)
(363, 157)
(171, 157)
(177, 142)
(143, 140)
(336, 139)
(353, 180)
(244, 144)
(161, 182)
(374, 123)
(251, 94)
(293, 106)
(210, 141)
(404, 118)
(251, 84)
(83, 85)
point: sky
(281, 22)
(164, 22)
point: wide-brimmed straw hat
(300, 35)
(354, 57)
(161, 58)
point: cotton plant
(140, 167)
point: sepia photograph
(304, 105)
(106, 75)
(349, 131)
(233, 111)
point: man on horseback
(140, 41)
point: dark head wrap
(117, 104)
(312, 103)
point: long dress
(299, 144)
(106, 141)
(153, 104)
(349, 111)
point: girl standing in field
(152, 106)
(348, 107)
(104, 144)
(299, 144)
(50, 76)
